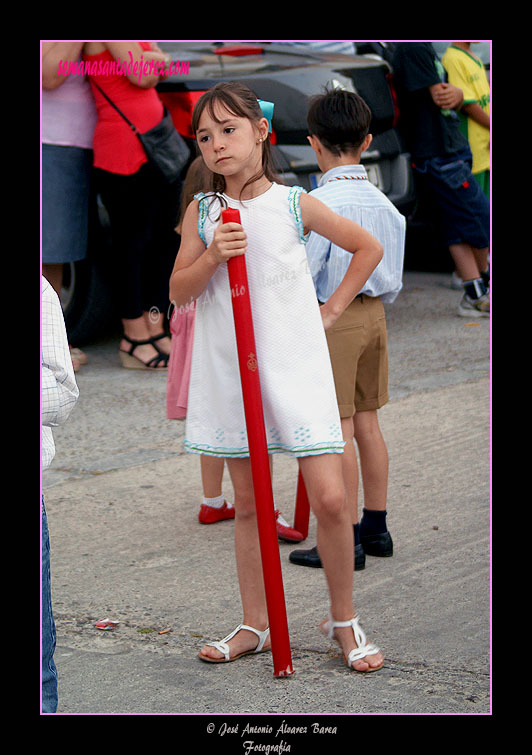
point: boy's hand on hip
(328, 317)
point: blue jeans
(460, 208)
(49, 671)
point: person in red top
(143, 209)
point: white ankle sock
(216, 503)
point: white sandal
(223, 647)
(358, 653)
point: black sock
(356, 530)
(486, 277)
(373, 523)
(475, 288)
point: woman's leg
(160, 256)
(137, 330)
(130, 204)
(324, 482)
(156, 325)
(248, 562)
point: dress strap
(202, 214)
(205, 202)
(293, 202)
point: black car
(281, 74)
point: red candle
(258, 452)
(302, 511)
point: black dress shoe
(311, 558)
(306, 557)
(377, 545)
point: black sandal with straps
(131, 362)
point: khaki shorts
(358, 346)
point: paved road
(122, 501)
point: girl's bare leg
(248, 562)
(373, 459)
(350, 468)
(212, 472)
(324, 482)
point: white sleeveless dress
(298, 395)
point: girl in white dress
(300, 409)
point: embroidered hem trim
(325, 448)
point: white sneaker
(474, 307)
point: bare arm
(366, 250)
(195, 265)
(52, 54)
(475, 112)
(446, 96)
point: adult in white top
(68, 119)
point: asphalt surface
(122, 500)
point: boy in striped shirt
(338, 123)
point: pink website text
(138, 68)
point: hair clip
(267, 111)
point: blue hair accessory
(267, 111)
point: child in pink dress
(182, 330)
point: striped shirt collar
(351, 171)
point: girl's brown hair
(198, 179)
(242, 102)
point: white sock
(282, 520)
(216, 503)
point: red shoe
(211, 514)
(284, 531)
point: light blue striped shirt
(347, 191)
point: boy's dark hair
(339, 119)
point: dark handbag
(165, 148)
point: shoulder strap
(109, 100)
(203, 209)
(295, 209)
